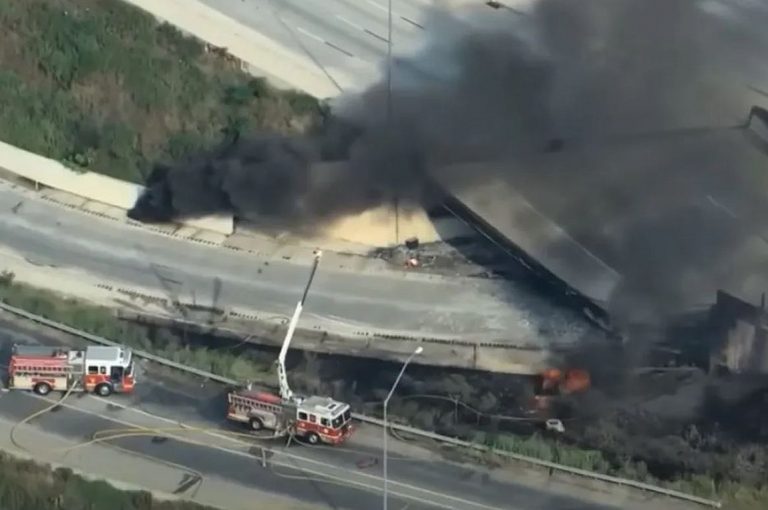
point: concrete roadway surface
(348, 38)
(341, 301)
(331, 477)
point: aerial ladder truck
(315, 419)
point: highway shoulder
(130, 471)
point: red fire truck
(99, 369)
(316, 419)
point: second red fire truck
(98, 369)
(315, 419)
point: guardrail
(103, 341)
(543, 463)
(375, 421)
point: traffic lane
(469, 482)
(167, 401)
(244, 469)
(473, 482)
(408, 462)
(294, 456)
(446, 484)
(117, 240)
(172, 400)
(345, 37)
(332, 309)
(176, 401)
(408, 19)
(47, 234)
(347, 73)
(326, 18)
(442, 495)
(346, 40)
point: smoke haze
(580, 71)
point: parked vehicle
(98, 369)
(316, 419)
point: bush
(100, 85)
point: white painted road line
(395, 14)
(350, 23)
(310, 34)
(361, 28)
(323, 41)
(290, 463)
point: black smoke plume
(567, 74)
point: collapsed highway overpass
(676, 215)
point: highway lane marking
(310, 34)
(415, 24)
(321, 40)
(360, 450)
(249, 444)
(350, 23)
(361, 28)
(294, 457)
(394, 13)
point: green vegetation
(26, 485)
(100, 85)
(101, 321)
(246, 364)
(734, 495)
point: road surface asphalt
(347, 39)
(339, 478)
(414, 304)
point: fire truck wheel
(42, 388)
(104, 390)
(256, 424)
(313, 438)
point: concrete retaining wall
(90, 185)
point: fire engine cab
(316, 419)
(99, 369)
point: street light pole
(418, 350)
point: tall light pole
(418, 350)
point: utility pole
(385, 423)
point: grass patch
(26, 485)
(100, 85)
